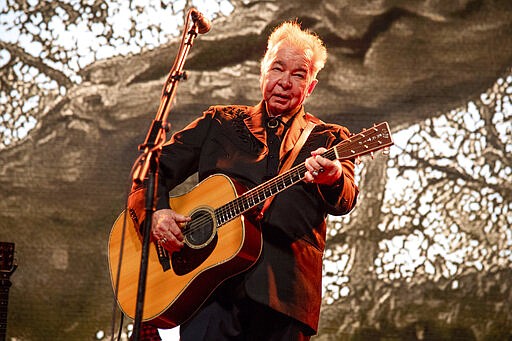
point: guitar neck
(5, 284)
(259, 194)
(368, 141)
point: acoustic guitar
(7, 267)
(219, 241)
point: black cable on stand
(147, 168)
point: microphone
(203, 24)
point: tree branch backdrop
(425, 256)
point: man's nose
(285, 80)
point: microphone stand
(147, 168)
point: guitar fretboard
(259, 194)
(365, 142)
(5, 284)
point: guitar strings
(254, 194)
(249, 199)
(261, 189)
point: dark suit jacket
(232, 140)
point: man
(279, 297)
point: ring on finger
(163, 240)
(315, 172)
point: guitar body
(173, 295)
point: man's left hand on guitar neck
(321, 170)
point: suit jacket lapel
(293, 133)
(255, 123)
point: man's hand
(321, 170)
(166, 229)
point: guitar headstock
(7, 261)
(366, 142)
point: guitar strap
(289, 161)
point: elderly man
(279, 297)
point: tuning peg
(385, 151)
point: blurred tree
(426, 252)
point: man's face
(286, 80)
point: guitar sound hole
(200, 230)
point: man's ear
(311, 86)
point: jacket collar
(255, 124)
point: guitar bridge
(163, 257)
